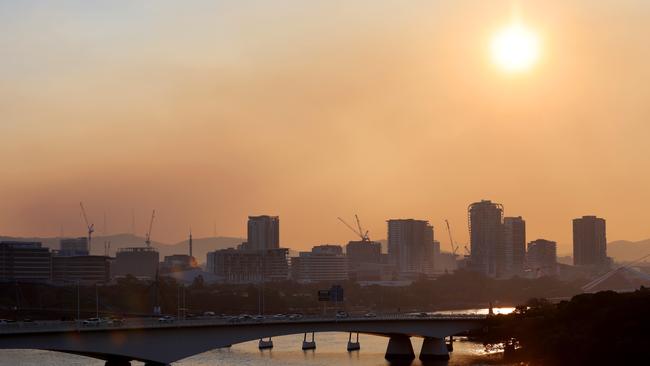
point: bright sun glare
(515, 48)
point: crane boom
(359, 232)
(362, 233)
(349, 226)
(89, 226)
(454, 248)
(148, 236)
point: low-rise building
(177, 263)
(249, 266)
(140, 262)
(24, 261)
(325, 263)
(86, 269)
(73, 247)
(364, 260)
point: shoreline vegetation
(132, 297)
(605, 328)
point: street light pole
(96, 301)
(78, 304)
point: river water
(330, 350)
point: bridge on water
(157, 343)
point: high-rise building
(73, 247)
(514, 246)
(263, 233)
(25, 261)
(486, 237)
(410, 245)
(589, 241)
(325, 263)
(542, 257)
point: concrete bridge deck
(158, 343)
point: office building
(140, 262)
(249, 266)
(325, 263)
(263, 233)
(73, 247)
(486, 237)
(589, 242)
(88, 269)
(541, 258)
(24, 261)
(410, 246)
(514, 246)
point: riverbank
(601, 328)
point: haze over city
(213, 112)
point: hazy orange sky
(211, 111)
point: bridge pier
(353, 346)
(308, 344)
(265, 344)
(434, 349)
(450, 345)
(399, 348)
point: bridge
(160, 343)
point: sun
(515, 48)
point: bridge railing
(139, 323)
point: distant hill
(200, 245)
(627, 251)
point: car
(166, 319)
(209, 313)
(295, 316)
(370, 315)
(279, 317)
(115, 321)
(422, 315)
(92, 322)
(342, 315)
(245, 317)
(259, 318)
(234, 319)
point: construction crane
(364, 235)
(147, 239)
(359, 230)
(454, 247)
(91, 227)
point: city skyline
(210, 113)
(440, 233)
